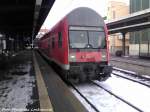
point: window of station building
(53, 42)
(149, 35)
(60, 40)
(137, 36)
(144, 37)
(132, 6)
(134, 37)
(131, 38)
(145, 4)
(114, 14)
(138, 5)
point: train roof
(84, 16)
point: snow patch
(103, 101)
(17, 92)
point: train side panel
(58, 51)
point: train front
(88, 45)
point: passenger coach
(78, 44)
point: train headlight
(103, 56)
(72, 57)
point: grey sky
(62, 7)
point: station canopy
(23, 17)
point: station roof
(23, 17)
(133, 22)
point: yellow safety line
(45, 104)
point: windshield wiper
(88, 46)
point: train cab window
(60, 40)
(87, 37)
(53, 42)
(97, 39)
(78, 39)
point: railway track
(106, 90)
(133, 74)
(132, 77)
(93, 106)
(118, 97)
(127, 75)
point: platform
(30, 84)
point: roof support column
(124, 43)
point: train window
(53, 42)
(87, 39)
(97, 39)
(60, 40)
(78, 39)
(48, 42)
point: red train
(78, 44)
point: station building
(139, 40)
(117, 10)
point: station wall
(139, 39)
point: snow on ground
(101, 99)
(134, 93)
(88, 107)
(16, 93)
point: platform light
(1, 35)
